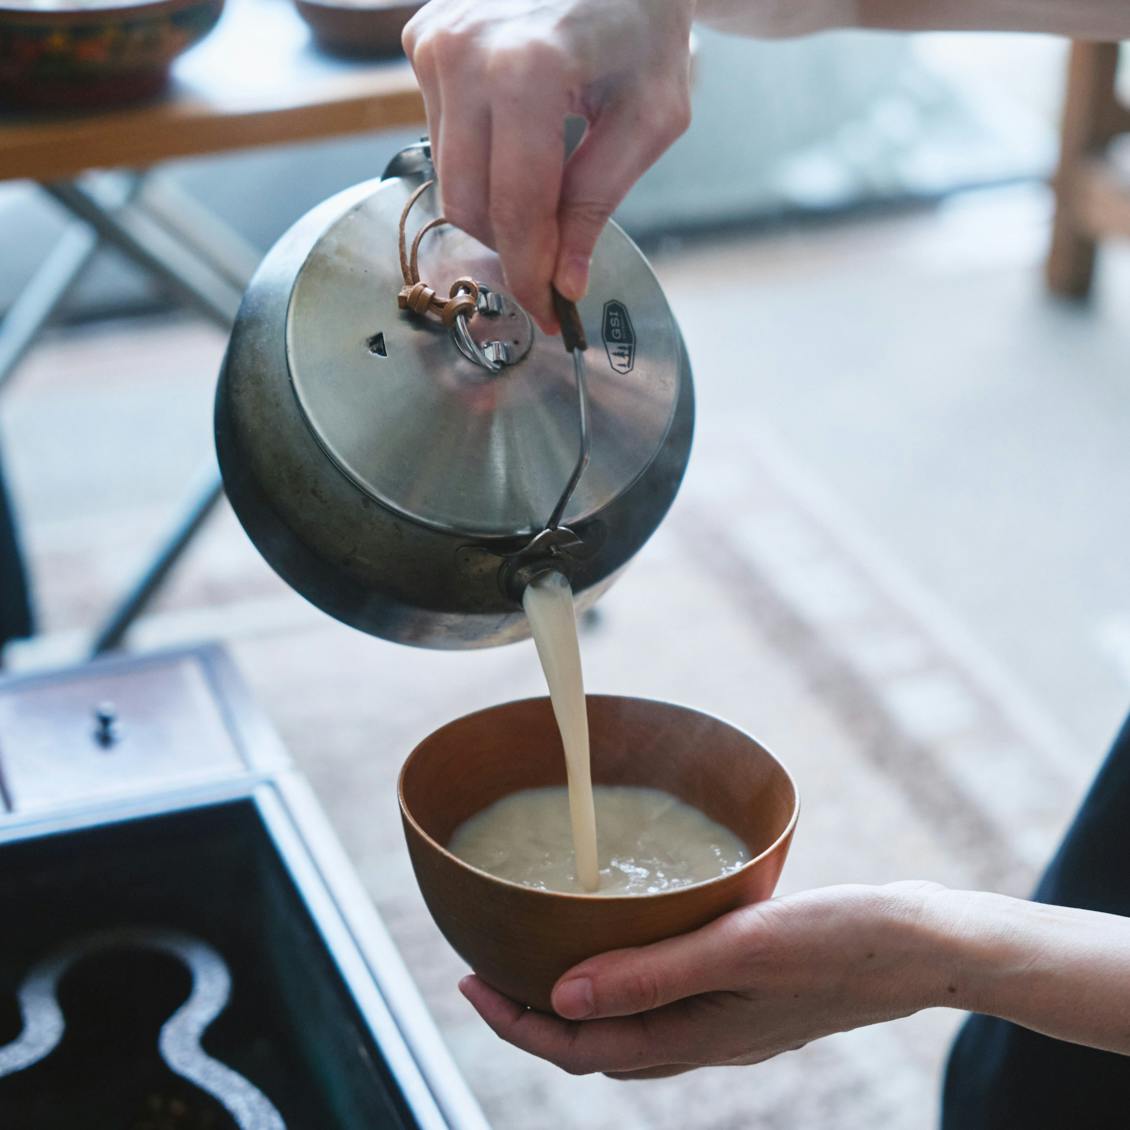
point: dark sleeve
(1003, 1077)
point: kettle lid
(404, 409)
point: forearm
(1056, 970)
(1079, 19)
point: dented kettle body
(392, 482)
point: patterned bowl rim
(106, 12)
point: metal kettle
(410, 476)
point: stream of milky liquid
(548, 602)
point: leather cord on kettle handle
(421, 299)
(415, 294)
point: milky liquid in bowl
(520, 940)
(649, 841)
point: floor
(875, 564)
(974, 427)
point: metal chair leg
(171, 237)
(41, 297)
(147, 243)
(217, 244)
(52, 282)
(205, 495)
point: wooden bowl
(520, 939)
(89, 53)
(361, 28)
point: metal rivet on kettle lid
(497, 351)
(489, 302)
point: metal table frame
(253, 82)
(196, 257)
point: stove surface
(101, 1058)
(222, 1009)
(185, 943)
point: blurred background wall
(817, 126)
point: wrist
(1057, 970)
(956, 949)
(916, 927)
(979, 947)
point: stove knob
(106, 727)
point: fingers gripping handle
(572, 331)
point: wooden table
(1092, 191)
(256, 80)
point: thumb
(620, 146)
(628, 981)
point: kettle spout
(557, 550)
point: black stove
(184, 946)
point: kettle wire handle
(572, 328)
(573, 335)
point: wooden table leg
(1089, 111)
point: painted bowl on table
(359, 28)
(84, 54)
(521, 939)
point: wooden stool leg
(1087, 116)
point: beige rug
(758, 600)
